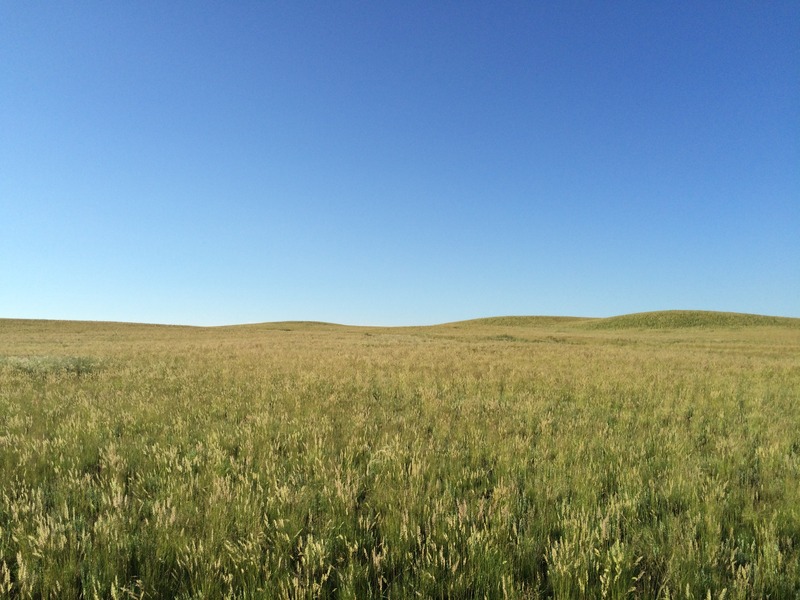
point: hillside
(518, 321)
(669, 319)
(681, 319)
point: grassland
(647, 456)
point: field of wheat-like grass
(497, 458)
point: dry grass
(517, 458)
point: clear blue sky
(397, 162)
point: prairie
(643, 456)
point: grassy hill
(668, 319)
(680, 319)
(517, 321)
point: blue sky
(397, 163)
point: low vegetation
(678, 319)
(635, 457)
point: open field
(645, 456)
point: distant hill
(668, 319)
(518, 321)
(679, 319)
(284, 326)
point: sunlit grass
(501, 458)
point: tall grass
(478, 460)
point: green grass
(50, 365)
(500, 458)
(678, 319)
